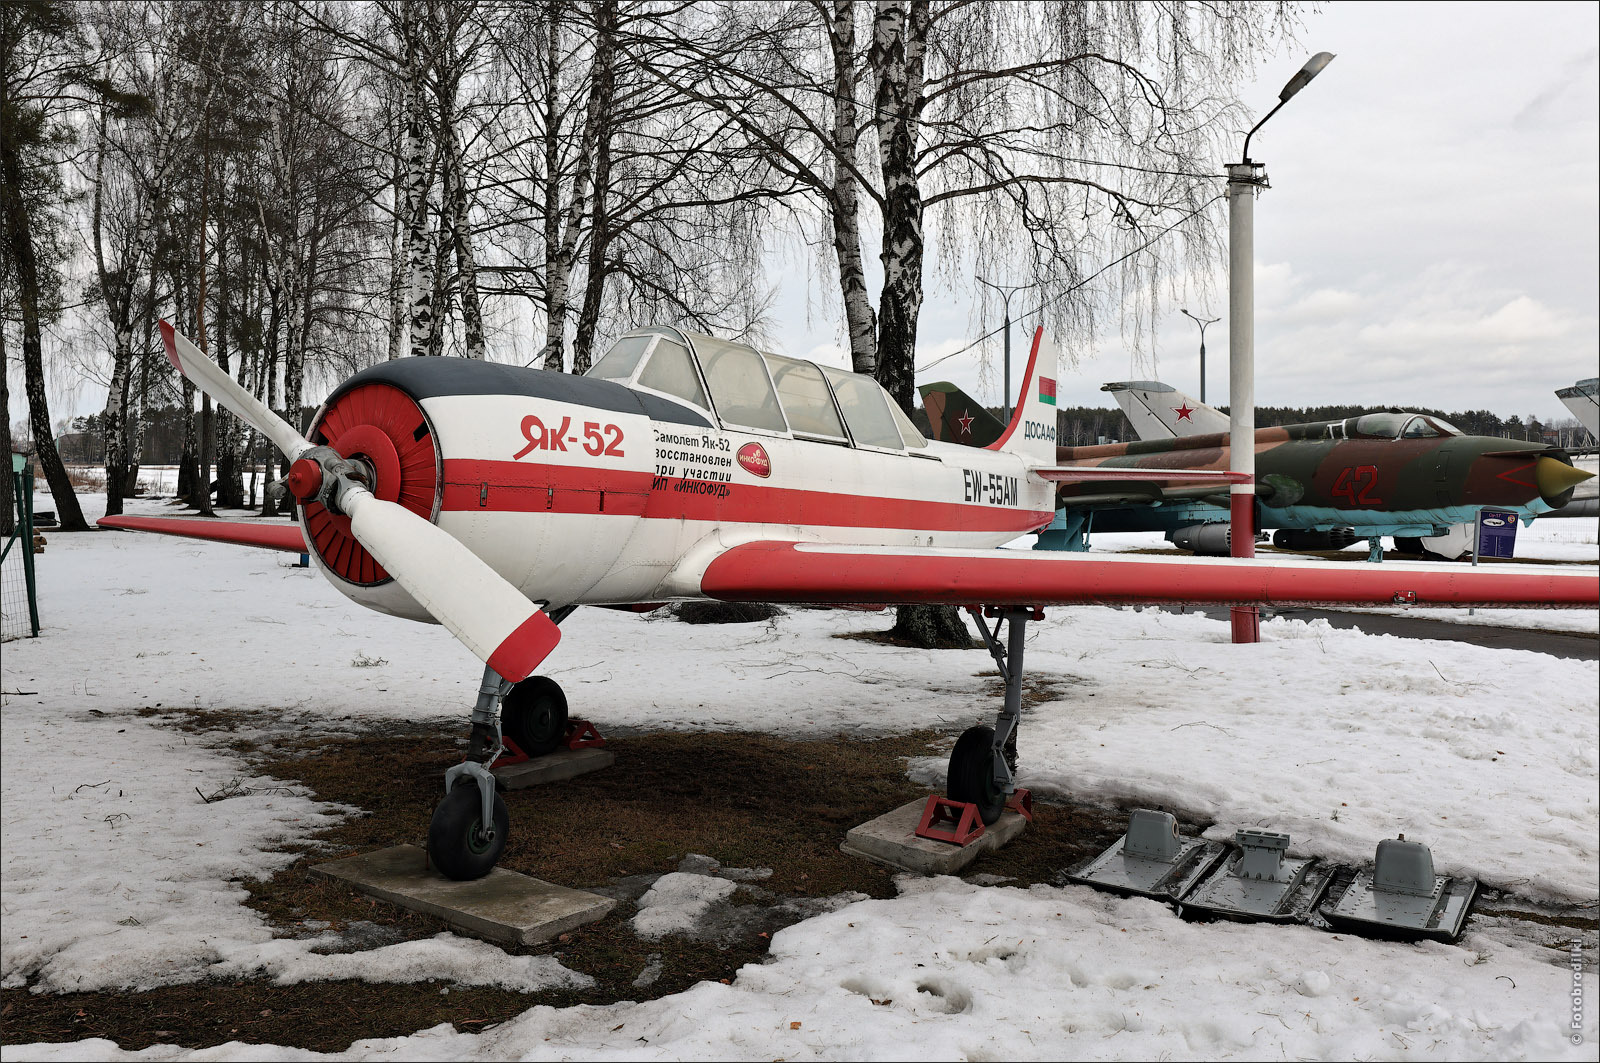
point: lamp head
(1303, 77)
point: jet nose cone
(1557, 479)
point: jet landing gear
(984, 761)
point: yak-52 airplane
(494, 500)
(1322, 485)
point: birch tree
(41, 84)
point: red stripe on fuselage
(518, 487)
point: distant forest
(82, 441)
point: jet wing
(815, 572)
(240, 533)
(1101, 485)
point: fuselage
(1326, 475)
(587, 491)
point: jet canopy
(1398, 425)
(749, 391)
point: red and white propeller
(475, 603)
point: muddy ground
(745, 800)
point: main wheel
(971, 775)
(457, 845)
(534, 714)
(1409, 544)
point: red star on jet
(1183, 411)
(965, 421)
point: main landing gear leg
(984, 762)
(469, 827)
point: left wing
(240, 533)
(814, 572)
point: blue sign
(1497, 533)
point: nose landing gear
(470, 826)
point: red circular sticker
(753, 457)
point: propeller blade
(209, 377)
(490, 616)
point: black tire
(456, 845)
(971, 775)
(1408, 544)
(534, 715)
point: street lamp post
(1006, 292)
(1243, 181)
(1202, 322)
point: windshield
(1419, 428)
(671, 372)
(621, 360)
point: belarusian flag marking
(1047, 390)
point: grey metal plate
(1139, 876)
(1438, 916)
(1223, 894)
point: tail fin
(1032, 431)
(956, 417)
(1161, 411)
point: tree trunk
(557, 264)
(113, 416)
(932, 627)
(844, 196)
(420, 310)
(455, 206)
(604, 89)
(896, 59)
(19, 237)
(8, 497)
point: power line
(1080, 284)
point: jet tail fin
(1161, 411)
(956, 417)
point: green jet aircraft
(1324, 485)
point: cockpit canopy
(754, 392)
(1397, 425)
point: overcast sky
(1429, 237)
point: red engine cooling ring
(384, 427)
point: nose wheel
(470, 826)
(459, 844)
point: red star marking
(965, 421)
(1183, 411)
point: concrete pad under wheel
(501, 906)
(891, 840)
(554, 767)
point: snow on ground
(1341, 738)
(950, 970)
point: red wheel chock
(1021, 803)
(944, 820)
(511, 754)
(581, 734)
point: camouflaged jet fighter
(1323, 485)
